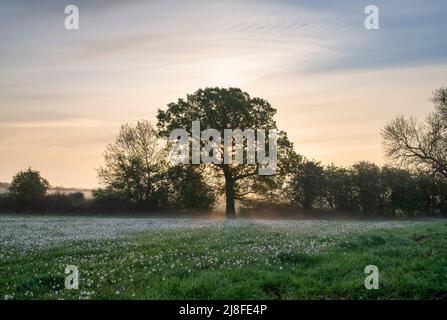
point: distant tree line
(177, 188)
(137, 177)
(367, 189)
(361, 190)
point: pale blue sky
(335, 84)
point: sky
(335, 84)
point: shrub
(28, 189)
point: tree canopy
(136, 172)
(28, 187)
(133, 163)
(231, 108)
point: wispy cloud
(328, 77)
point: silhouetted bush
(185, 188)
(27, 190)
(7, 203)
(364, 190)
(66, 203)
(368, 190)
(110, 201)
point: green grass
(250, 262)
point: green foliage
(222, 108)
(187, 189)
(308, 184)
(217, 108)
(137, 176)
(134, 164)
(110, 200)
(28, 188)
(338, 188)
(3, 187)
(368, 189)
(66, 203)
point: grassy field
(200, 259)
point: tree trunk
(230, 210)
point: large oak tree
(231, 108)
